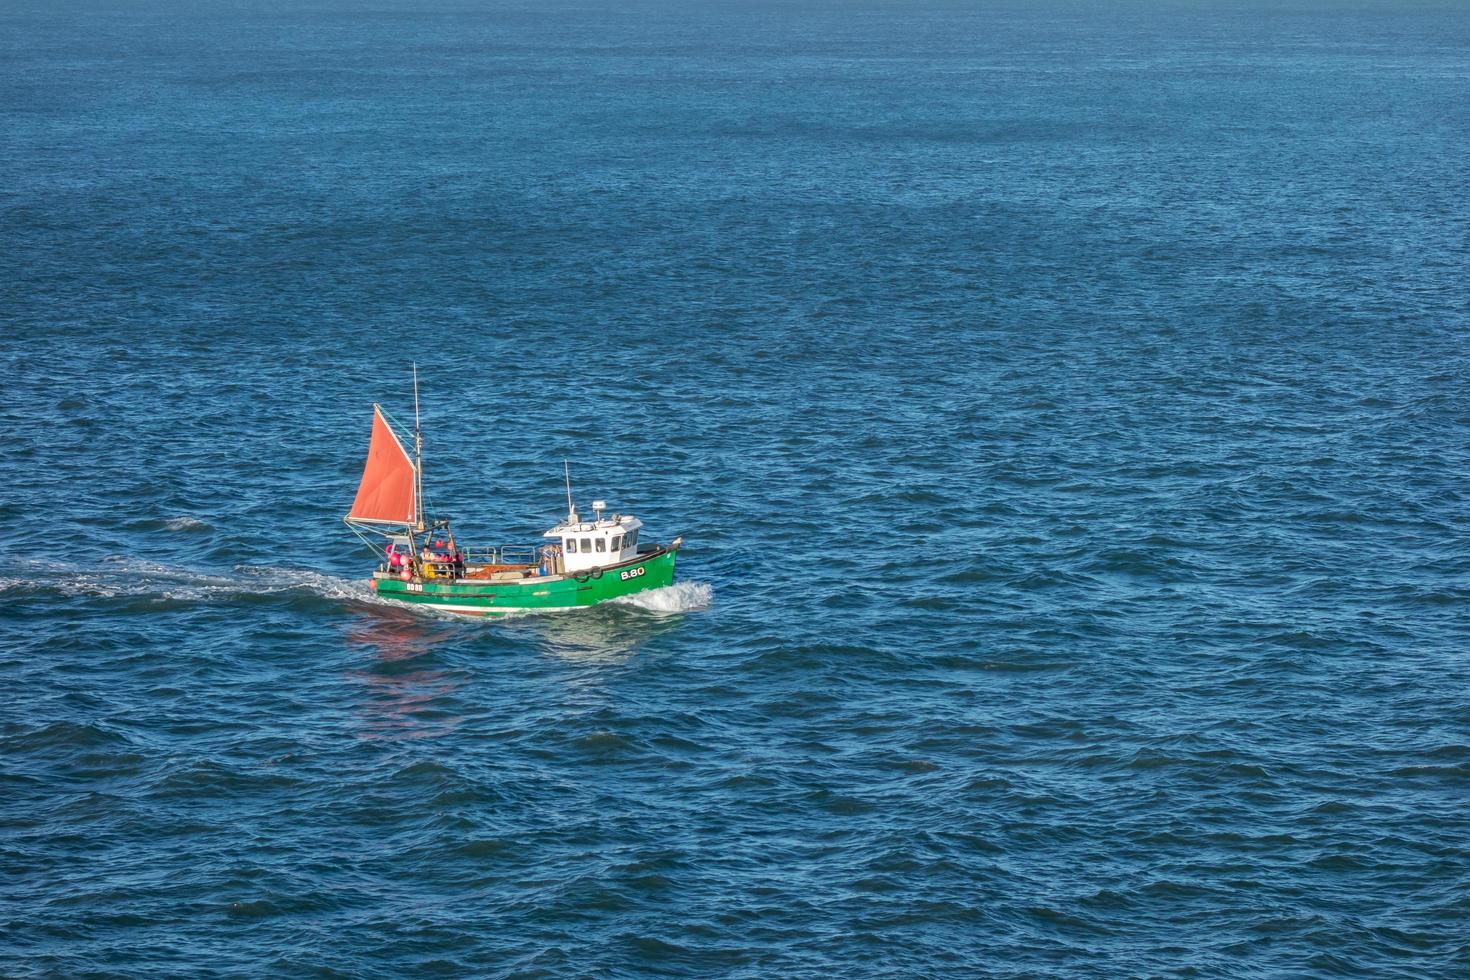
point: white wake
(681, 597)
(117, 576)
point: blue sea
(1065, 407)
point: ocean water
(1064, 406)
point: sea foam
(681, 597)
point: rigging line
(396, 425)
(363, 537)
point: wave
(681, 597)
(187, 523)
(120, 577)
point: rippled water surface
(1064, 406)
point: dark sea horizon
(1063, 405)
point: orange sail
(386, 493)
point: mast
(418, 453)
(571, 510)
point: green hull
(477, 598)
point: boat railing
(527, 554)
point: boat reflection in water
(611, 634)
(404, 698)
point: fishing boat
(581, 562)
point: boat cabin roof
(618, 522)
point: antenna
(418, 451)
(571, 508)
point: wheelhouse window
(631, 541)
(601, 543)
(586, 546)
(571, 546)
(615, 543)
